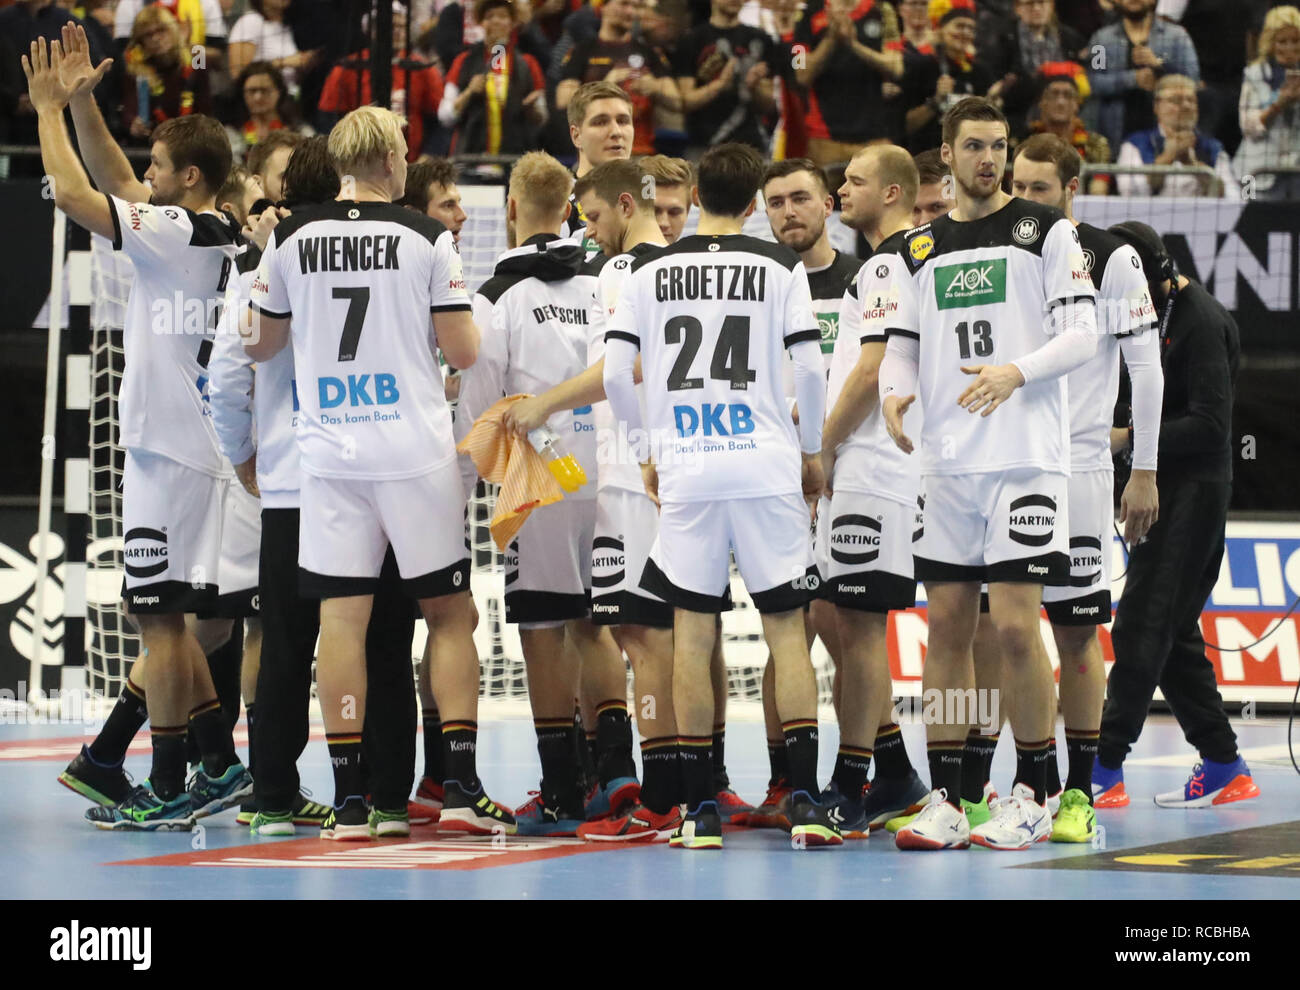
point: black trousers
(1157, 631)
(290, 626)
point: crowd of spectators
(1212, 85)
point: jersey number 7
(730, 355)
(358, 301)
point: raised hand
(44, 87)
(79, 76)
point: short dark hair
(728, 178)
(611, 179)
(481, 7)
(421, 175)
(971, 108)
(260, 152)
(197, 140)
(789, 166)
(930, 167)
(286, 107)
(310, 176)
(1050, 148)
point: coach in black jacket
(1157, 633)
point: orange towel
(505, 459)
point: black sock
(460, 742)
(250, 717)
(945, 757)
(852, 764)
(801, 745)
(1080, 748)
(697, 769)
(721, 781)
(167, 776)
(584, 758)
(1031, 767)
(555, 748)
(890, 754)
(661, 773)
(345, 755)
(975, 758)
(127, 717)
(212, 736)
(779, 760)
(613, 741)
(1053, 768)
(435, 765)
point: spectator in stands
(725, 71)
(934, 195)
(161, 81)
(1270, 108)
(549, 17)
(916, 29)
(628, 62)
(850, 50)
(495, 95)
(265, 107)
(268, 159)
(431, 190)
(1017, 54)
(1063, 89)
(264, 35)
(663, 23)
(1175, 141)
(946, 72)
(1130, 57)
(202, 22)
(674, 181)
(459, 28)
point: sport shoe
(991, 796)
(210, 795)
(976, 814)
(936, 826)
(893, 797)
(639, 824)
(272, 823)
(309, 812)
(732, 807)
(612, 798)
(247, 811)
(774, 812)
(1053, 804)
(426, 806)
(701, 829)
(107, 786)
(896, 825)
(1212, 784)
(847, 814)
(145, 811)
(811, 823)
(349, 823)
(1020, 822)
(540, 817)
(1108, 786)
(474, 813)
(388, 824)
(1076, 821)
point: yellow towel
(504, 458)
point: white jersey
(980, 292)
(712, 317)
(868, 461)
(230, 388)
(183, 261)
(360, 281)
(535, 316)
(619, 466)
(827, 286)
(1124, 307)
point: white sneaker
(1054, 802)
(1019, 823)
(938, 826)
(991, 796)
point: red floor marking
(415, 853)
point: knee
(1018, 638)
(1074, 641)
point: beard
(977, 190)
(806, 238)
(1137, 15)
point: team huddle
(833, 426)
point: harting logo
(1085, 562)
(1032, 520)
(855, 539)
(144, 552)
(607, 562)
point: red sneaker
(640, 824)
(426, 807)
(774, 812)
(732, 808)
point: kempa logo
(975, 284)
(77, 944)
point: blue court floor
(1245, 850)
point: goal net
(113, 642)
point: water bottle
(565, 467)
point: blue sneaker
(145, 811)
(1212, 784)
(849, 815)
(811, 823)
(1108, 787)
(893, 797)
(538, 817)
(210, 795)
(612, 798)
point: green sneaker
(144, 811)
(977, 813)
(272, 823)
(386, 824)
(1076, 821)
(309, 812)
(247, 812)
(902, 821)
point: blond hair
(589, 93)
(668, 171)
(362, 139)
(1278, 18)
(540, 185)
(894, 167)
